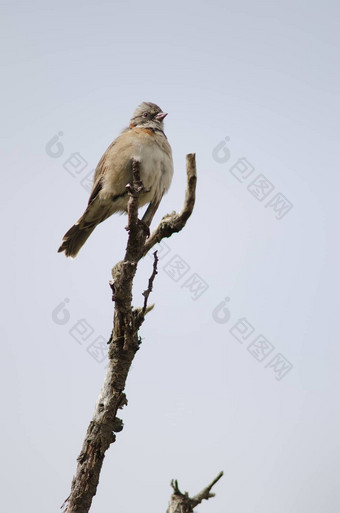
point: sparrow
(145, 141)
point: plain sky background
(266, 76)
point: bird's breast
(154, 154)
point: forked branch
(182, 503)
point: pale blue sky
(265, 75)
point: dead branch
(124, 341)
(148, 291)
(182, 503)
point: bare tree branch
(124, 341)
(147, 292)
(182, 503)
(205, 493)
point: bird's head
(148, 115)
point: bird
(145, 141)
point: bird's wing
(97, 185)
(113, 162)
(99, 173)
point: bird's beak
(161, 116)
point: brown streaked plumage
(145, 141)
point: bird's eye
(145, 115)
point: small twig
(64, 504)
(205, 493)
(147, 292)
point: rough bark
(124, 341)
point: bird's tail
(75, 238)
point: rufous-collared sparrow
(145, 141)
